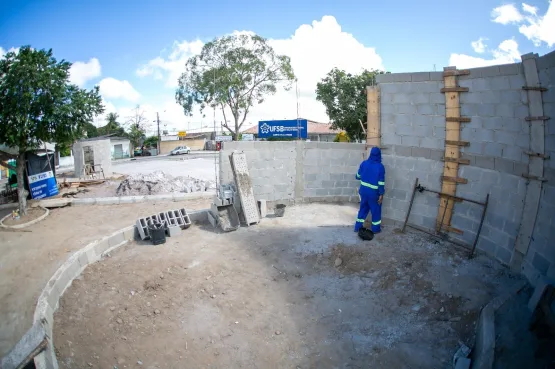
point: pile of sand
(159, 182)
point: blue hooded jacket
(371, 173)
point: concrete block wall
(329, 170)
(295, 171)
(413, 133)
(272, 167)
(102, 155)
(540, 259)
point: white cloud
(81, 72)
(479, 46)
(539, 28)
(314, 50)
(507, 52)
(112, 88)
(174, 65)
(506, 14)
(4, 52)
(536, 28)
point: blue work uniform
(371, 174)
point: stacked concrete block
(173, 218)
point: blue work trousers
(369, 203)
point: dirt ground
(32, 214)
(300, 291)
(29, 259)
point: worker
(371, 174)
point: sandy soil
(28, 259)
(32, 214)
(295, 292)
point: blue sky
(133, 49)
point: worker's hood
(375, 155)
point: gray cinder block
(173, 231)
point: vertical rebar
(479, 228)
(410, 205)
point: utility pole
(158, 122)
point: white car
(180, 150)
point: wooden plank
(455, 179)
(458, 119)
(537, 154)
(529, 119)
(450, 169)
(454, 230)
(535, 164)
(457, 143)
(457, 160)
(455, 89)
(373, 131)
(534, 88)
(453, 198)
(460, 72)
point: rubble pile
(159, 182)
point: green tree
(151, 141)
(233, 73)
(344, 96)
(112, 127)
(38, 104)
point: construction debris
(159, 182)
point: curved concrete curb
(116, 200)
(19, 226)
(9, 205)
(47, 304)
(483, 354)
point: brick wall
(297, 170)
(413, 133)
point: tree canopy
(38, 104)
(344, 96)
(232, 74)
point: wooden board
(452, 133)
(460, 161)
(373, 131)
(535, 165)
(454, 89)
(458, 119)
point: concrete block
(538, 294)
(503, 255)
(436, 98)
(420, 76)
(512, 153)
(426, 109)
(480, 84)
(510, 69)
(487, 246)
(516, 82)
(470, 110)
(403, 151)
(410, 141)
(486, 162)
(505, 110)
(508, 138)
(101, 246)
(540, 263)
(493, 149)
(116, 239)
(484, 110)
(173, 231)
(405, 108)
(500, 83)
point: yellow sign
(182, 133)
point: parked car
(180, 150)
(141, 152)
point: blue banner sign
(43, 185)
(295, 128)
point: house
(321, 132)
